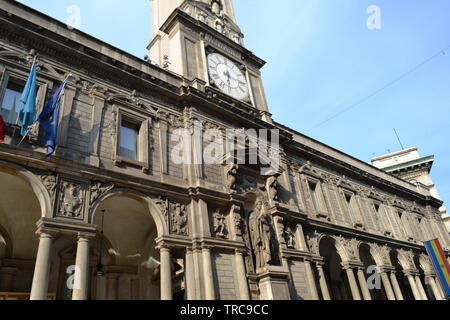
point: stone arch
(153, 208)
(328, 248)
(34, 182)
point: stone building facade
(105, 220)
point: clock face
(227, 76)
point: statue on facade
(272, 188)
(290, 237)
(261, 235)
(219, 224)
(215, 8)
(231, 172)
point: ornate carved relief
(175, 216)
(381, 254)
(71, 200)
(49, 182)
(178, 219)
(425, 264)
(347, 248)
(313, 239)
(98, 189)
(406, 259)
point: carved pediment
(309, 170)
(131, 100)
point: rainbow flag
(440, 264)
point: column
(166, 274)
(363, 284)
(434, 288)
(387, 286)
(311, 281)
(421, 289)
(352, 281)
(396, 286)
(323, 283)
(242, 276)
(208, 274)
(42, 268)
(413, 286)
(80, 290)
(111, 285)
(190, 275)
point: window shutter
(367, 213)
(334, 204)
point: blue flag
(27, 113)
(49, 119)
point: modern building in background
(113, 205)
(410, 166)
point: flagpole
(18, 114)
(64, 86)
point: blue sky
(321, 60)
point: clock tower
(201, 41)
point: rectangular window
(129, 140)
(10, 105)
(312, 189)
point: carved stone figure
(290, 237)
(215, 7)
(72, 200)
(231, 172)
(261, 235)
(219, 224)
(271, 186)
(179, 219)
